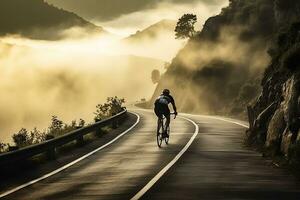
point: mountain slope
(274, 117)
(38, 19)
(157, 40)
(156, 30)
(219, 70)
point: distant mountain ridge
(39, 20)
(153, 31)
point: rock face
(281, 88)
(275, 128)
(290, 103)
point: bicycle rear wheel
(159, 134)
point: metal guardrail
(50, 146)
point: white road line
(168, 166)
(71, 163)
(230, 121)
(207, 116)
(220, 118)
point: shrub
(21, 139)
(3, 147)
(81, 123)
(24, 138)
(37, 136)
(56, 126)
(112, 106)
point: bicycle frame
(161, 125)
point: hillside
(219, 70)
(275, 115)
(154, 31)
(240, 63)
(37, 19)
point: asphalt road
(214, 166)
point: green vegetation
(3, 147)
(24, 138)
(185, 26)
(112, 106)
(57, 127)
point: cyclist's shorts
(161, 109)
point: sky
(125, 17)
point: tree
(185, 26)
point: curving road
(205, 163)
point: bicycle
(161, 129)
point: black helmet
(166, 92)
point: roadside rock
(286, 141)
(275, 128)
(290, 103)
(281, 87)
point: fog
(123, 17)
(217, 76)
(69, 77)
(230, 48)
(128, 24)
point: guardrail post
(51, 152)
(80, 141)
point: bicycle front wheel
(167, 138)
(159, 139)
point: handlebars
(174, 115)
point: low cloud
(68, 78)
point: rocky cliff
(275, 116)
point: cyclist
(161, 107)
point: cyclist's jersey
(165, 99)
(161, 105)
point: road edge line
(208, 116)
(11, 191)
(169, 165)
(230, 121)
